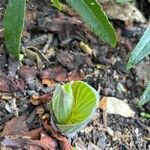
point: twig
(45, 48)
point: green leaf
(141, 50)
(145, 115)
(62, 102)
(145, 98)
(57, 4)
(92, 13)
(71, 129)
(13, 25)
(85, 101)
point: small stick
(45, 48)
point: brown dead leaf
(57, 74)
(66, 27)
(48, 82)
(45, 143)
(7, 84)
(13, 142)
(15, 126)
(30, 16)
(64, 144)
(47, 140)
(31, 140)
(32, 134)
(36, 100)
(72, 60)
(28, 74)
(75, 75)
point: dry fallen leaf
(44, 143)
(113, 105)
(64, 144)
(48, 82)
(36, 100)
(27, 73)
(75, 75)
(15, 126)
(32, 134)
(7, 84)
(57, 74)
(67, 27)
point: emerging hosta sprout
(73, 105)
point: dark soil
(57, 35)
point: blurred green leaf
(57, 4)
(92, 13)
(141, 50)
(145, 115)
(13, 25)
(145, 98)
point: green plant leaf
(13, 25)
(141, 50)
(71, 129)
(145, 115)
(85, 101)
(57, 4)
(92, 13)
(145, 98)
(62, 102)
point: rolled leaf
(13, 25)
(62, 103)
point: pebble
(32, 92)
(102, 141)
(28, 62)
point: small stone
(102, 141)
(121, 88)
(32, 92)
(28, 62)
(88, 129)
(129, 83)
